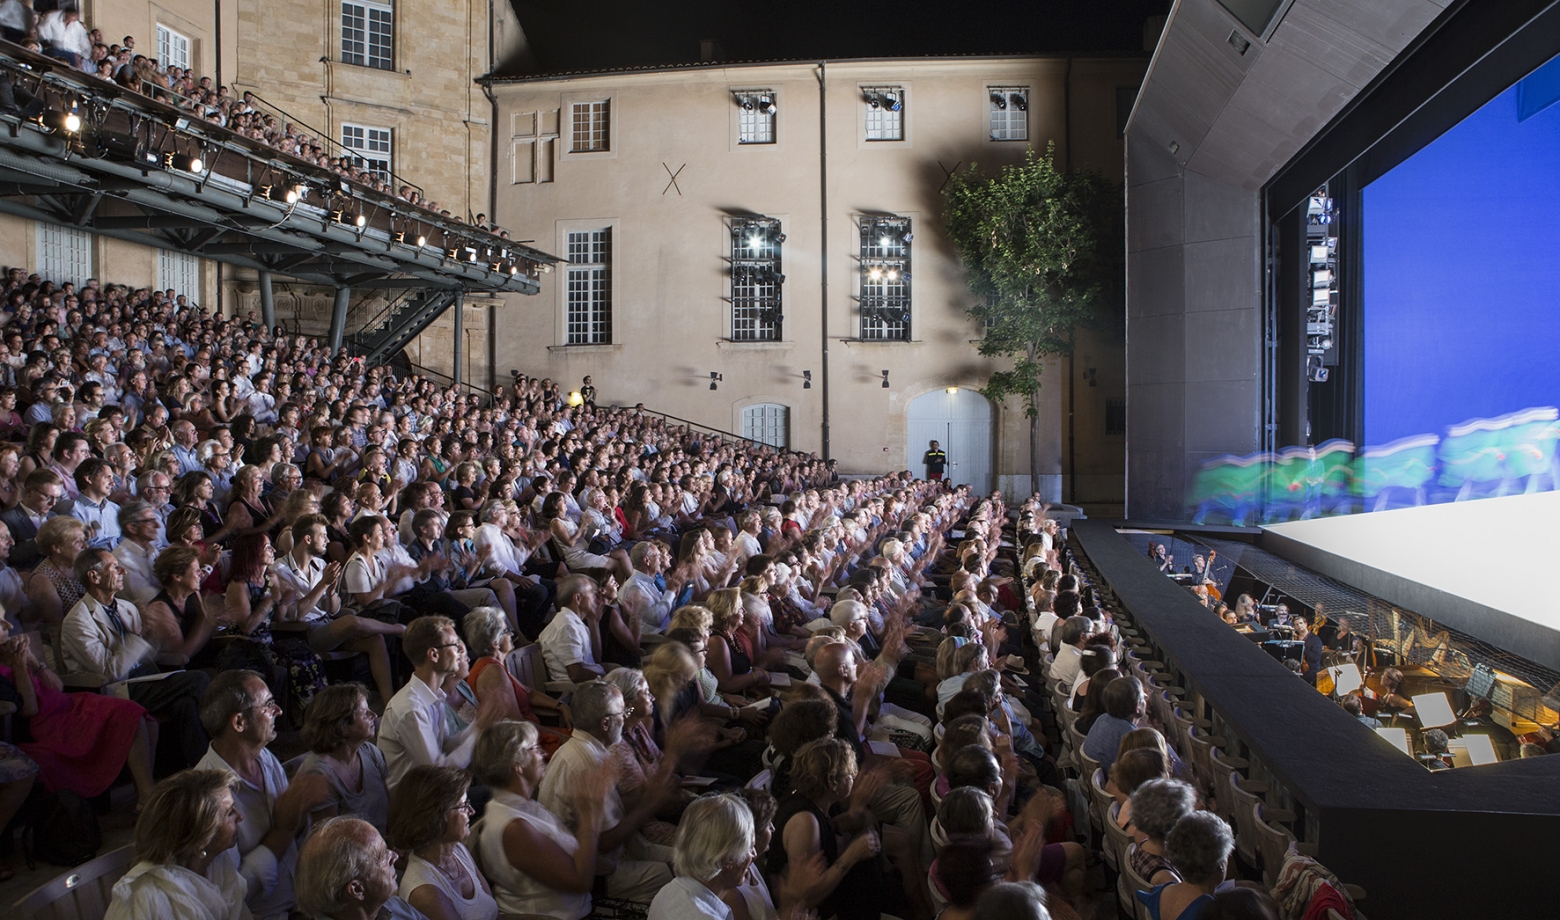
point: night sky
(567, 35)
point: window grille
(885, 112)
(1009, 113)
(64, 254)
(756, 117)
(592, 124)
(756, 280)
(173, 49)
(768, 423)
(180, 271)
(885, 279)
(368, 34)
(371, 148)
(589, 287)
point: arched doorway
(961, 421)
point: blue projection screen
(1462, 274)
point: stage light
(999, 100)
(875, 273)
(56, 120)
(471, 256)
(872, 99)
(360, 221)
(767, 104)
(908, 237)
(452, 252)
(398, 236)
(893, 274)
(546, 268)
(885, 380)
(746, 102)
(951, 390)
(575, 399)
(715, 379)
(184, 162)
(421, 241)
(894, 104)
(779, 237)
(1019, 102)
(339, 215)
(755, 241)
(806, 380)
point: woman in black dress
(810, 821)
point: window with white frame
(885, 279)
(180, 271)
(885, 112)
(588, 287)
(368, 34)
(768, 423)
(756, 116)
(756, 279)
(173, 49)
(64, 254)
(592, 123)
(372, 148)
(1009, 113)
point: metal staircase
(402, 319)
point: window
(173, 49)
(756, 117)
(535, 142)
(1009, 113)
(589, 287)
(64, 254)
(180, 271)
(371, 148)
(885, 279)
(1115, 417)
(592, 122)
(767, 423)
(756, 279)
(368, 34)
(885, 112)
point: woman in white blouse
(430, 816)
(536, 865)
(187, 866)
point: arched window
(768, 423)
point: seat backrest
(82, 893)
(763, 780)
(1273, 843)
(1131, 882)
(526, 664)
(1241, 805)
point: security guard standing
(936, 461)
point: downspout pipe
(823, 233)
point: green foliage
(1042, 251)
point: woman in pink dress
(80, 740)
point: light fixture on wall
(999, 100)
(766, 104)
(715, 380)
(806, 380)
(892, 101)
(885, 380)
(951, 390)
(1020, 101)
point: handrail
(334, 144)
(391, 305)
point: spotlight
(715, 379)
(892, 99)
(767, 104)
(421, 241)
(872, 100)
(452, 252)
(806, 380)
(999, 100)
(780, 238)
(908, 237)
(546, 268)
(885, 380)
(184, 162)
(514, 270)
(746, 102)
(755, 241)
(398, 236)
(875, 273)
(55, 120)
(360, 221)
(339, 215)
(1020, 102)
(893, 274)
(471, 256)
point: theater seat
(82, 893)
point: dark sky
(570, 35)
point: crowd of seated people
(58, 30)
(289, 542)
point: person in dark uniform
(936, 461)
(588, 392)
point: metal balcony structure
(133, 168)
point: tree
(1042, 249)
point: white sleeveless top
(517, 892)
(420, 872)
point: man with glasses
(240, 713)
(41, 491)
(138, 551)
(414, 730)
(157, 488)
(71, 449)
(628, 866)
(103, 636)
(217, 460)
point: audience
(186, 861)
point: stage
(1490, 567)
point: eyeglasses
(269, 705)
(466, 807)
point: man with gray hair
(647, 594)
(345, 872)
(138, 550)
(571, 643)
(599, 711)
(1068, 665)
(156, 488)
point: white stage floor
(1489, 567)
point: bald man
(345, 872)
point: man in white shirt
(642, 596)
(94, 480)
(414, 731)
(103, 637)
(1068, 665)
(599, 711)
(240, 713)
(136, 552)
(571, 643)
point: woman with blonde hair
(711, 856)
(730, 659)
(52, 588)
(693, 616)
(186, 863)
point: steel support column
(338, 317)
(267, 302)
(460, 337)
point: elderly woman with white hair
(489, 640)
(713, 852)
(1199, 845)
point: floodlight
(56, 120)
(1020, 101)
(999, 100)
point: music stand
(1398, 738)
(1346, 679)
(1480, 749)
(1434, 710)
